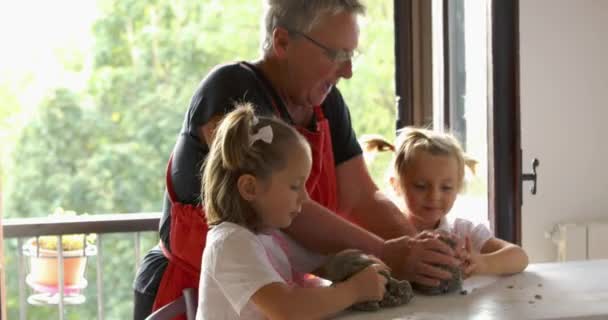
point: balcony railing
(101, 225)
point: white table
(568, 290)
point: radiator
(581, 240)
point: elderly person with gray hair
(308, 47)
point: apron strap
(319, 113)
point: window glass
(466, 94)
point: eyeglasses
(336, 55)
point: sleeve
(241, 268)
(479, 233)
(343, 137)
(220, 90)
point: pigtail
(372, 144)
(243, 144)
(227, 155)
(470, 163)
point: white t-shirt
(479, 233)
(237, 263)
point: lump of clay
(348, 262)
(445, 286)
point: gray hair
(302, 15)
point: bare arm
(316, 227)
(501, 257)
(323, 231)
(359, 197)
(411, 258)
(279, 301)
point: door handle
(532, 176)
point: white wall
(564, 110)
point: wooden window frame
(504, 122)
(413, 62)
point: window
(370, 93)
(460, 98)
(470, 88)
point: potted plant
(44, 263)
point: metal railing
(100, 225)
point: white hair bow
(264, 134)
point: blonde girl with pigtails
(426, 175)
(253, 185)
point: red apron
(321, 184)
(188, 231)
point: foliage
(370, 93)
(101, 147)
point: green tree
(104, 149)
(370, 93)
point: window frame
(504, 121)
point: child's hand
(369, 284)
(472, 261)
(460, 249)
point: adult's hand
(416, 258)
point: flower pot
(44, 265)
